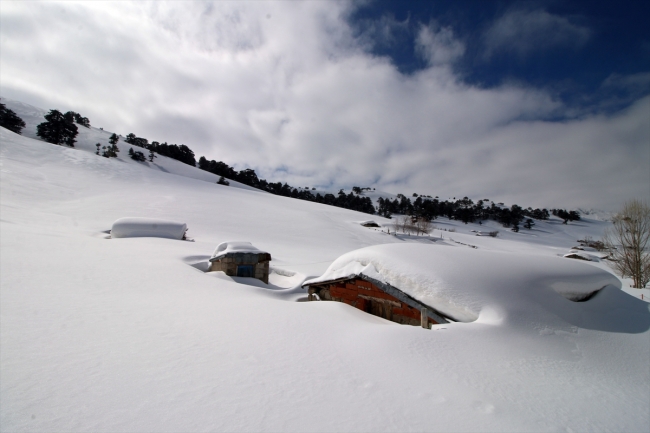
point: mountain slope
(131, 335)
(88, 137)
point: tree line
(466, 210)
(61, 128)
(249, 177)
(180, 153)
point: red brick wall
(369, 298)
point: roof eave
(235, 254)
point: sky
(540, 103)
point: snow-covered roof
(132, 227)
(233, 247)
(461, 282)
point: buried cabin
(374, 297)
(426, 284)
(241, 259)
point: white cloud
(525, 31)
(287, 89)
(438, 46)
(635, 84)
(383, 32)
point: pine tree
(113, 139)
(110, 151)
(59, 128)
(83, 121)
(136, 155)
(9, 120)
(98, 145)
(152, 155)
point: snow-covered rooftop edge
(232, 247)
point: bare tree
(405, 224)
(423, 225)
(628, 241)
(402, 223)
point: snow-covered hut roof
(463, 283)
(235, 247)
(135, 227)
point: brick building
(376, 298)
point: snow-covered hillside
(89, 137)
(132, 334)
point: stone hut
(241, 259)
(375, 297)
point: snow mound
(369, 223)
(135, 227)
(579, 256)
(235, 247)
(461, 283)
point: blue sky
(543, 103)
(569, 46)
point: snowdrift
(461, 283)
(147, 227)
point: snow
(235, 247)
(460, 283)
(147, 227)
(133, 334)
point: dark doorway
(379, 309)
(245, 271)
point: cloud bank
(290, 89)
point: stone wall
(228, 264)
(261, 271)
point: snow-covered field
(132, 334)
